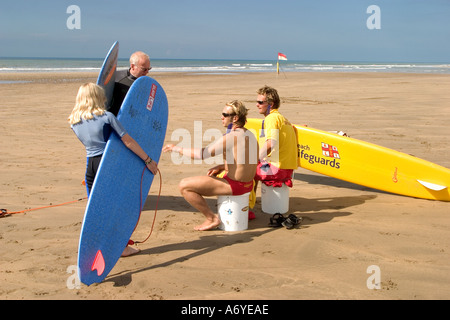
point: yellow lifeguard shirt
(277, 128)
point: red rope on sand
(131, 242)
(6, 213)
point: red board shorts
(239, 188)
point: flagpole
(278, 64)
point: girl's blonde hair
(90, 101)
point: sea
(204, 66)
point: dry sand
(347, 228)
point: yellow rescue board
(367, 164)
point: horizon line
(235, 59)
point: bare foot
(209, 224)
(129, 251)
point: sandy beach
(346, 228)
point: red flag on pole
(282, 56)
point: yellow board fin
(432, 186)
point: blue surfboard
(114, 204)
(107, 75)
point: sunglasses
(145, 69)
(226, 115)
(261, 102)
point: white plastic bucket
(233, 212)
(274, 199)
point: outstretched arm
(189, 152)
(215, 148)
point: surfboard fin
(99, 263)
(432, 186)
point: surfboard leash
(132, 242)
(6, 213)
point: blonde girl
(93, 124)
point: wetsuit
(124, 80)
(94, 134)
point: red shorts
(239, 188)
(273, 176)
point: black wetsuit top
(124, 80)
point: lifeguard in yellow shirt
(278, 143)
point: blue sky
(325, 30)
